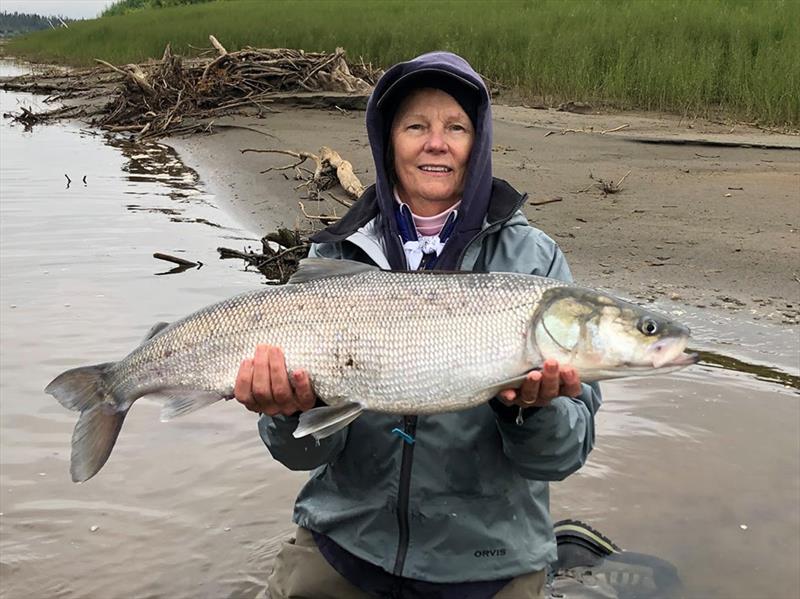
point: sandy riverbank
(701, 220)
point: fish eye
(648, 326)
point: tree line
(122, 7)
(16, 23)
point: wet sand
(704, 225)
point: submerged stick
(543, 202)
(175, 260)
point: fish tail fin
(88, 389)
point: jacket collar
(505, 201)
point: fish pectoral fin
(511, 383)
(323, 422)
(179, 402)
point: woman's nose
(436, 141)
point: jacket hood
(478, 184)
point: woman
(455, 505)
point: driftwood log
(344, 171)
(330, 169)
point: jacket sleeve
(298, 454)
(554, 441)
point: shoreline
(708, 216)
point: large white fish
(398, 342)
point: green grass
(735, 58)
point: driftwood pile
(177, 96)
(278, 263)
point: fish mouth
(684, 359)
(680, 361)
(645, 368)
(668, 352)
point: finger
(244, 382)
(272, 409)
(282, 392)
(551, 381)
(570, 382)
(507, 396)
(529, 391)
(302, 390)
(261, 389)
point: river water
(701, 468)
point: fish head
(604, 337)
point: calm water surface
(701, 468)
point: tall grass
(738, 58)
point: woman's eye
(415, 127)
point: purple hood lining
(478, 184)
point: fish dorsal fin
(312, 269)
(154, 330)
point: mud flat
(708, 215)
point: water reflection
(150, 161)
(761, 372)
(77, 286)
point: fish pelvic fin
(89, 390)
(324, 421)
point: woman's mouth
(435, 169)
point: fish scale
(405, 344)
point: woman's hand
(263, 384)
(541, 387)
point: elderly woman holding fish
(442, 505)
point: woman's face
(431, 137)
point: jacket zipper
(410, 428)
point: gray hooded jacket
(468, 499)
